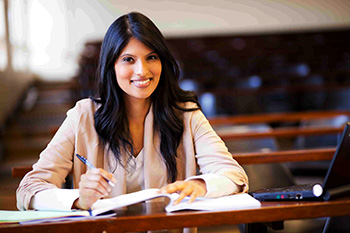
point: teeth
(142, 82)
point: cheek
(122, 73)
(157, 69)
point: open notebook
(107, 207)
(335, 184)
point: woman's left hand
(192, 188)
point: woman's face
(138, 70)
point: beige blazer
(199, 145)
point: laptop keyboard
(295, 188)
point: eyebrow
(127, 54)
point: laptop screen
(338, 174)
(336, 182)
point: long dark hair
(111, 122)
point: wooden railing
(283, 132)
(20, 171)
(248, 158)
(276, 117)
(284, 156)
(291, 131)
(267, 157)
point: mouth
(141, 82)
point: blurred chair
(307, 142)
(316, 168)
(208, 103)
(207, 100)
(260, 175)
(189, 85)
(312, 98)
(248, 102)
(338, 99)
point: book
(105, 207)
(12, 216)
(237, 201)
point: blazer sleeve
(54, 164)
(212, 154)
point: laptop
(335, 184)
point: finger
(177, 186)
(95, 181)
(201, 187)
(193, 196)
(88, 196)
(95, 187)
(106, 175)
(97, 177)
(186, 192)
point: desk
(151, 216)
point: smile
(141, 83)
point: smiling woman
(141, 129)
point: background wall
(47, 37)
(59, 29)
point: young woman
(141, 130)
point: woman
(142, 129)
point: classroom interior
(247, 61)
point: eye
(128, 59)
(152, 57)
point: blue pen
(85, 161)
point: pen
(87, 162)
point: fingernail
(111, 183)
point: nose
(141, 68)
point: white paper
(20, 216)
(232, 202)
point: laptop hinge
(336, 192)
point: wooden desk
(151, 216)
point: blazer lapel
(155, 172)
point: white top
(134, 177)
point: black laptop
(335, 184)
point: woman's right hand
(93, 186)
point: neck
(137, 110)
